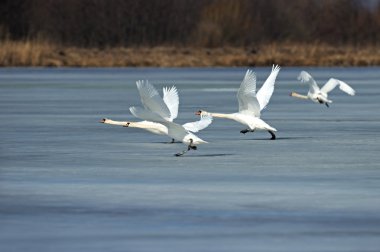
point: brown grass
(39, 53)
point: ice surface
(69, 183)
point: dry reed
(45, 54)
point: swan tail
(200, 141)
(271, 128)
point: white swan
(170, 98)
(321, 95)
(251, 104)
(160, 129)
(156, 110)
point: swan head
(294, 94)
(127, 124)
(103, 120)
(202, 113)
(297, 95)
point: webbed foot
(171, 142)
(272, 134)
(246, 131)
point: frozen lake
(69, 183)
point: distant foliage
(205, 23)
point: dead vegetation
(45, 54)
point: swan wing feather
(332, 83)
(170, 97)
(196, 126)
(151, 100)
(305, 77)
(246, 95)
(266, 91)
(175, 130)
(146, 114)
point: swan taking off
(321, 95)
(171, 100)
(251, 104)
(156, 110)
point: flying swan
(170, 97)
(320, 95)
(156, 110)
(251, 104)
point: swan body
(253, 123)
(320, 95)
(156, 110)
(251, 104)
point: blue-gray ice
(69, 183)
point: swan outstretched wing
(146, 114)
(246, 95)
(305, 77)
(196, 126)
(170, 97)
(332, 83)
(266, 91)
(152, 100)
(174, 130)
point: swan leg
(189, 147)
(272, 134)
(327, 105)
(244, 131)
(180, 153)
(172, 141)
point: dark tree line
(102, 23)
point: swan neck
(109, 121)
(145, 125)
(220, 115)
(297, 95)
(140, 125)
